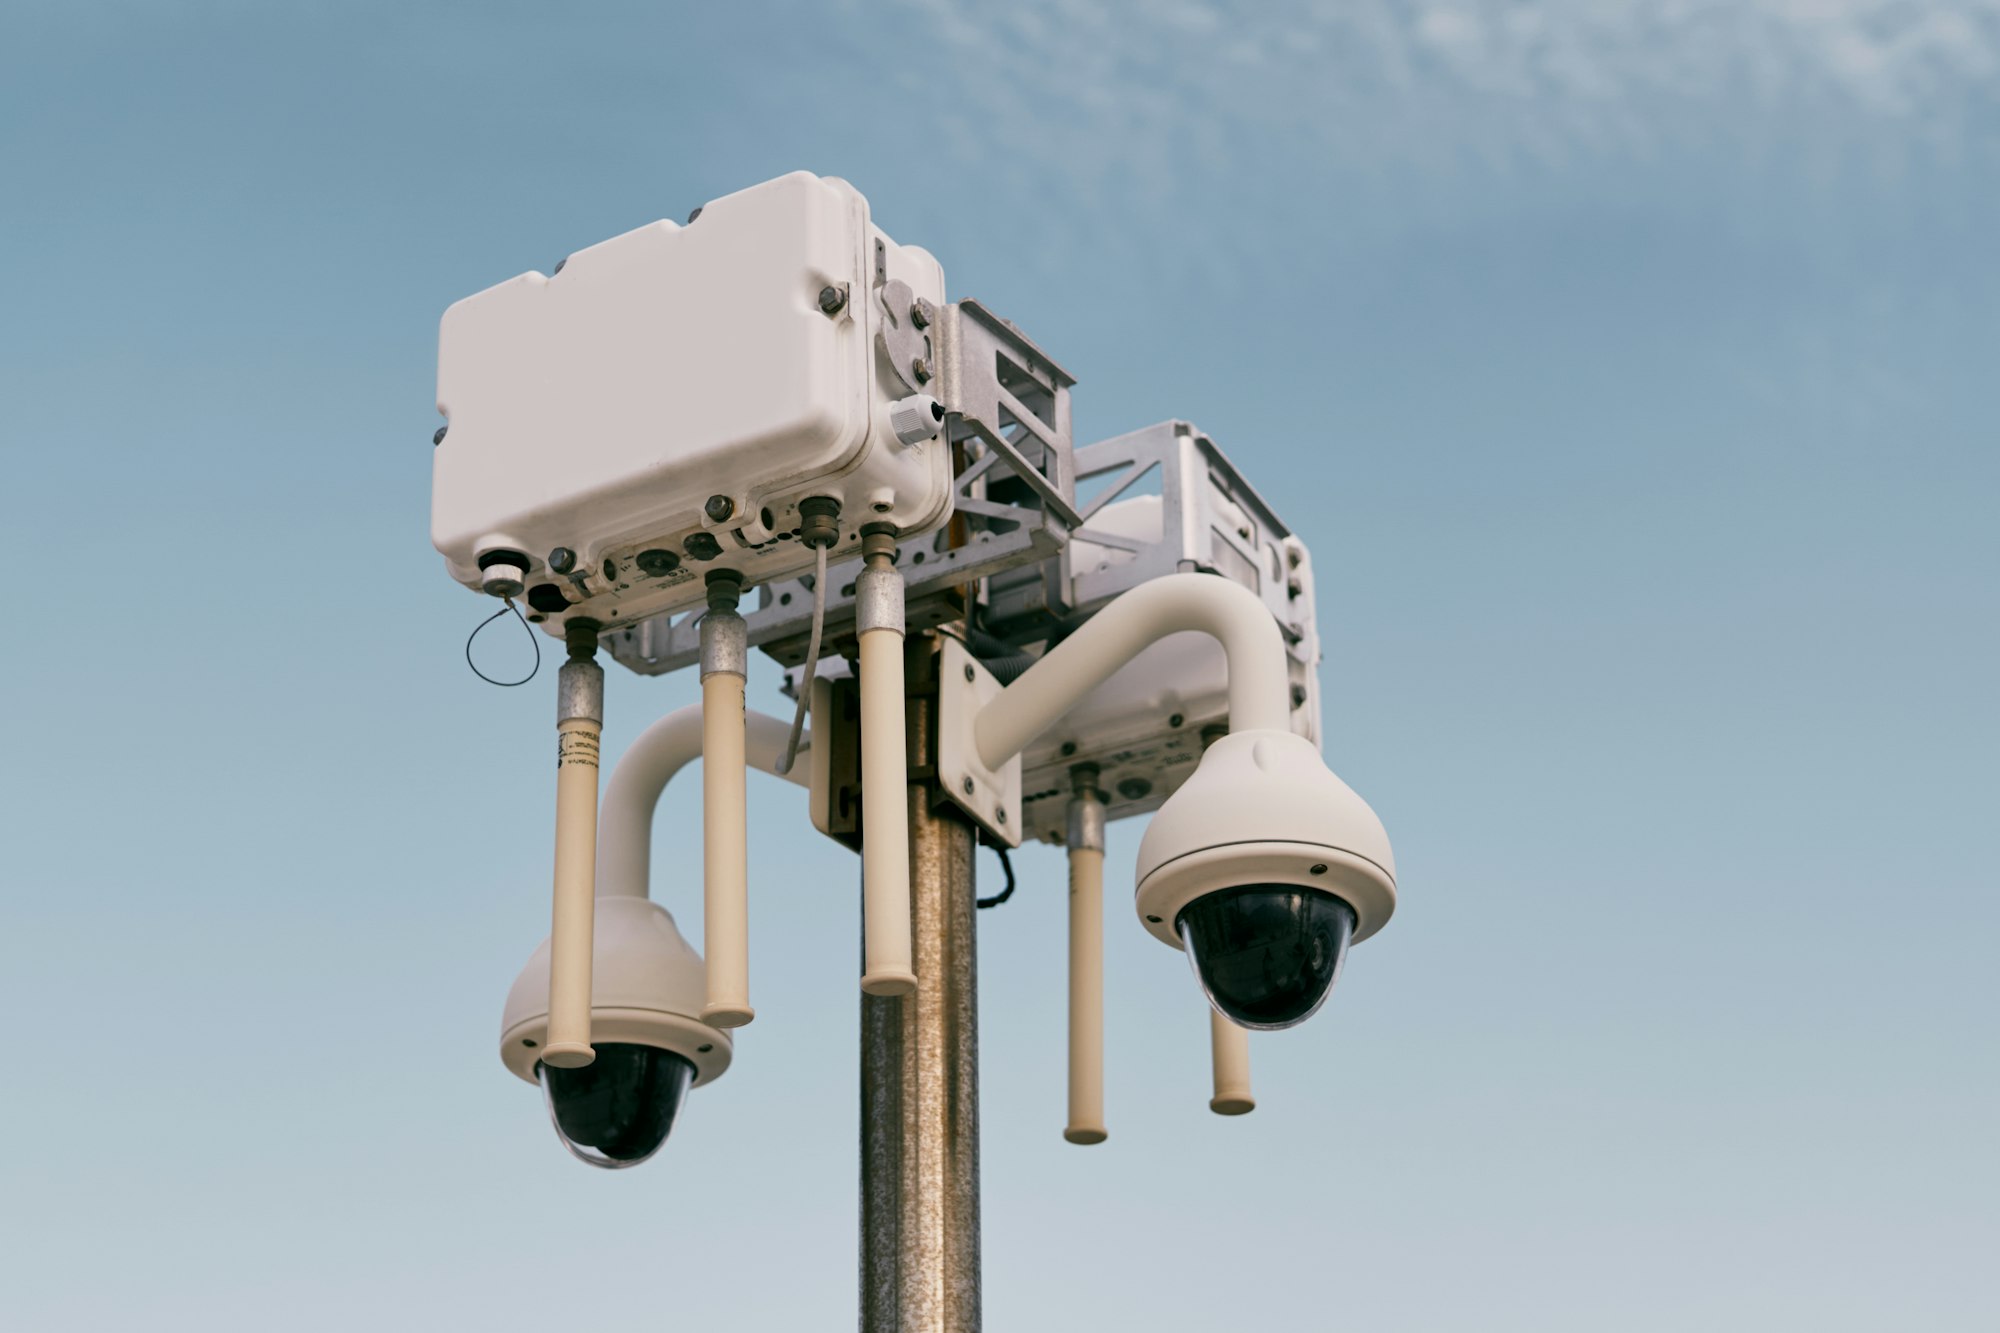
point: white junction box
(657, 408)
(1143, 727)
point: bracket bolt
(562, 560)
(832, 300)
(438, 437)
(920, 313)
(921, 369)
(719, 508)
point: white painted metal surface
(658, 407)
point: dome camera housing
(1264, 866)
(647, 989)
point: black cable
(534, 641)
(1007, 867)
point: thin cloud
(1134, 94)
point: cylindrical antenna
(1228, 1045)
(1086, 958)
(724, 822)
(579, 724)
(1229, 1048)
(885, 814)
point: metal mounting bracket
(992, 798)
(1014, 502)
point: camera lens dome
(617, 1110)
(1267, 954)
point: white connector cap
(916, 418)
(502, 579)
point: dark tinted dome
(1267, 954)
(618, 1109)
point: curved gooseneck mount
(1259, 699)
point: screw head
(1000, 814)
(1068, 748)
(1298, 696)
(692, 215)
(970, 674)
(719, 508)
(1319, 869)
(968, 786)
(920, 314)
(562, 560)
(832, 300)
(1175, 720)
(438, 437)
(1293, 587)
(920, 369)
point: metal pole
(920, 1074)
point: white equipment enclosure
(656, 408)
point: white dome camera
(1264, 866)
(646, 994)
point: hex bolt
(832, 300)
(562, 560)
(719, 508)
(920, 314)
(438, 438)
(921, 369)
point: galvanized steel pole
(920, 1073)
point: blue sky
(1628, 370)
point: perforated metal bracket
(1014, 502)
(992, 798)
